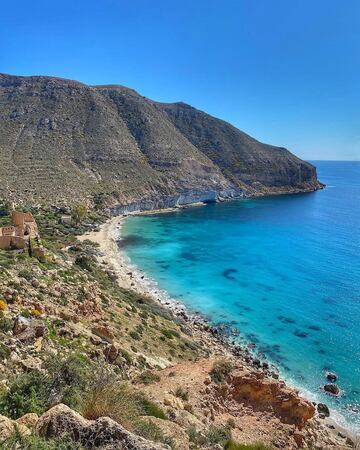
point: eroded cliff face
(64, 141)
(248, 163)
(267, 393)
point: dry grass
(112, 399)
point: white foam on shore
(336, 417)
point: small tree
(79, 213)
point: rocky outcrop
(101, 433)
(8, 427)
(62, 140)
(269, 394)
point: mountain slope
(241, 158)
(63, 141)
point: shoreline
(131, 277)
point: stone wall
(12, 243)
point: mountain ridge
(63, 141)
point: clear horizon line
(334, 160)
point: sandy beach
(129, 276)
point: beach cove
(130, 276)
(283, 270)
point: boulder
(299, 438)
(40, 329)
(35, 283)
(101, 433)
(323, 410)
(174, 402)
(332, 389)
(21, 324)
(30, 364)
(104, 333)
(27, 330)
(26, 336)
(8, 427)
(111, 352)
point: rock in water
(332, 389)
(323, 409)
(331, 376)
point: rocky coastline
(220, 341)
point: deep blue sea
(284, 270)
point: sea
(283, 271)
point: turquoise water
(284, 270)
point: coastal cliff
(63, 141)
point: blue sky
(286, 72)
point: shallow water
(284, 270)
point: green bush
(27, 274)
(78, 213)
(218, 435)
(34, 442)
(108, 397)
(126, 355)
(152, 432)
(182, 393)
(6, 324)
(221, 370)
(4, 351)
(150, 408)
(215, 435)
(170, 334)
(148, 377)
(85, 262)
(70, 378)
(28, 393)
(64, 381)
(134, 335)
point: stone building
(16, 236)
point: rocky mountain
(64, 141)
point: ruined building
(16, 236)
